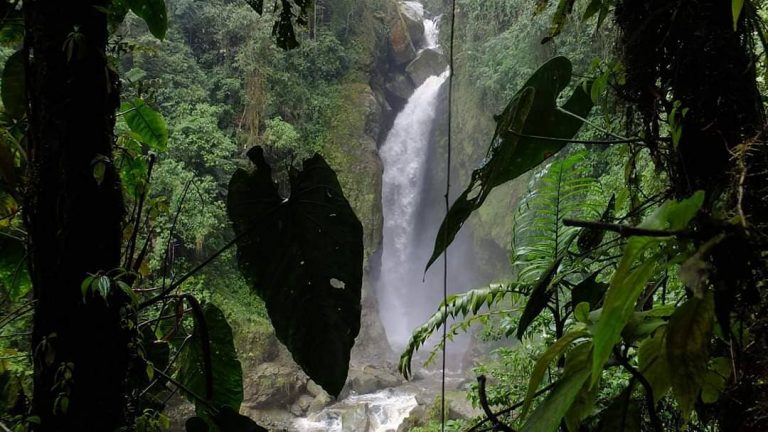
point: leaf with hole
(294, 252)
(533, 111)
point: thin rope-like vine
(447, 208)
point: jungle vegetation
(636, 292)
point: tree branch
(655, 421)
(497, 424)
(624, 230)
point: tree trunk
(687, 52)
(81, 350)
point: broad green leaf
(540, 368)
(548, 415)
(714, 381)
(14, 276)
(577, 360)
(736, 7)
(622, 415)
(14, 86)
(689, 334)
(630, 279)
(533, 111)
(538, 298)
(304, 257)
(227, 373)
(154, 13)
(653, 364)
(148, 124)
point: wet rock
(370, 378)
(401, 47)
(417, 417)
(320, 401)
(400, 87)
(414, 23)
(429, 62)
(301, 406)
(274, 384)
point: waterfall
(382, 411)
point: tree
(81, 342)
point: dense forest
(383, 215)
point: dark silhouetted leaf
(652, 362)
(226, 373)
(257, 5)
(154, 13)
(196, 424)
(14, 88)
(304, 257)
(538, 298)
(229, 420)
(589, 291)
(564, 9)
(532, 111)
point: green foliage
(148, 125)
(13, 86)
(532, 112)
(304, 257)
(153, 12)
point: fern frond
(464, 305)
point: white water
(385, 411)
(404, 155)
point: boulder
(370, 378)
(414, 23)
(400, 87)
(301, 406)
(320, 401)
(427, 63)
(274, 384)
(400, 46)
(415, 419)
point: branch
(578, 141)
(476, 427)
(624, 230)
(497, 424)
(655, 421)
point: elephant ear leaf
(304, 257)
(518, 144)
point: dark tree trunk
(73, 222)
(688, 52)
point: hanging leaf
(577, 360)
(549, 414)
(304, 257)
(540, 368)
(564, 9)
(154, 13)
(653, 364)
(590, 238)
(148, 124)
(533, 111)
(229, 420)
(212, 371)
(630, 279)
(714, 381)
(689, 333)
(538, 298)
(14, 86)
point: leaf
(154, 13)
(230, 421)
(629, 280)
(653, 364)
(540, 368)
(549, 414)
(456, 305)
(14, 86)
(714, 381)
(196, 424)
(147, 123)
(532, 111)
(257, 5)
(689, 334)
(564, 9)
(293, 251)
(623, 414)
(590, 238)
(589, 291)
(538, 298)
(14, 275)
(226, 371)
(736, 7)
(577, 360)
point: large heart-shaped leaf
(304, 257)
(148, 124)
(212, 370)
(518, 144)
